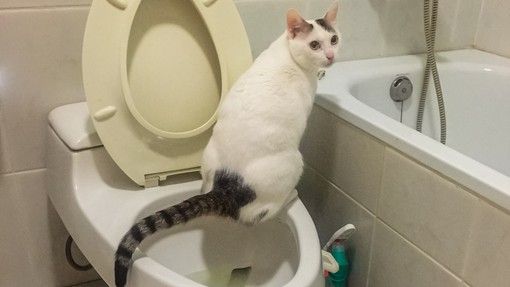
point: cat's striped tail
(228, 195)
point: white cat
(252, 164)
(263, 118)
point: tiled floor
(97, 283)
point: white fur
(263, 117)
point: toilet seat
(154, 73)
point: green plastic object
(339, 279)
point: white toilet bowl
(98, 203)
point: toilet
(154, 73)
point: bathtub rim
(477, 177)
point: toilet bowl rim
(299, 221)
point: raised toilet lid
(154, 73)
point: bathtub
(476, 87)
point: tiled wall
(40, 51)
(370, 28)
(415, 227)
(493, 27)
(40, 68)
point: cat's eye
(315, 45)
(334, 40)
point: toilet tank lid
(73, 125)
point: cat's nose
(330, 59)
(330, 55)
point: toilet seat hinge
(153, 179)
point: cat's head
(313, 43)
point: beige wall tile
(362, 36)
(433, 213)
(375, 28)
(331, 209)
(397, 263)
(488, 255)
(493, 35)
(264, 20)
(456, 25)
(33, 237)
(4, 160)
(40, 69)
(465, 24)
(345, 155)
(402, 34)
(370, 28)
(14, 256)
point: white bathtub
(476, 88)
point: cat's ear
(330, 16)
(296, 24)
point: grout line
(478, 19)
(359, 205)
(408, 241)
(19, 172)
(341, 190)
(449, 179)
(428, 256)
(377, 219)
(380, 184)
(374, 220)
(476, 214)
(371, 254)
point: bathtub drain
(401, 89)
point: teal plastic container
(339, 279)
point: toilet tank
(70, 132)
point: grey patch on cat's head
(325, 25)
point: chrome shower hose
(430, 22)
